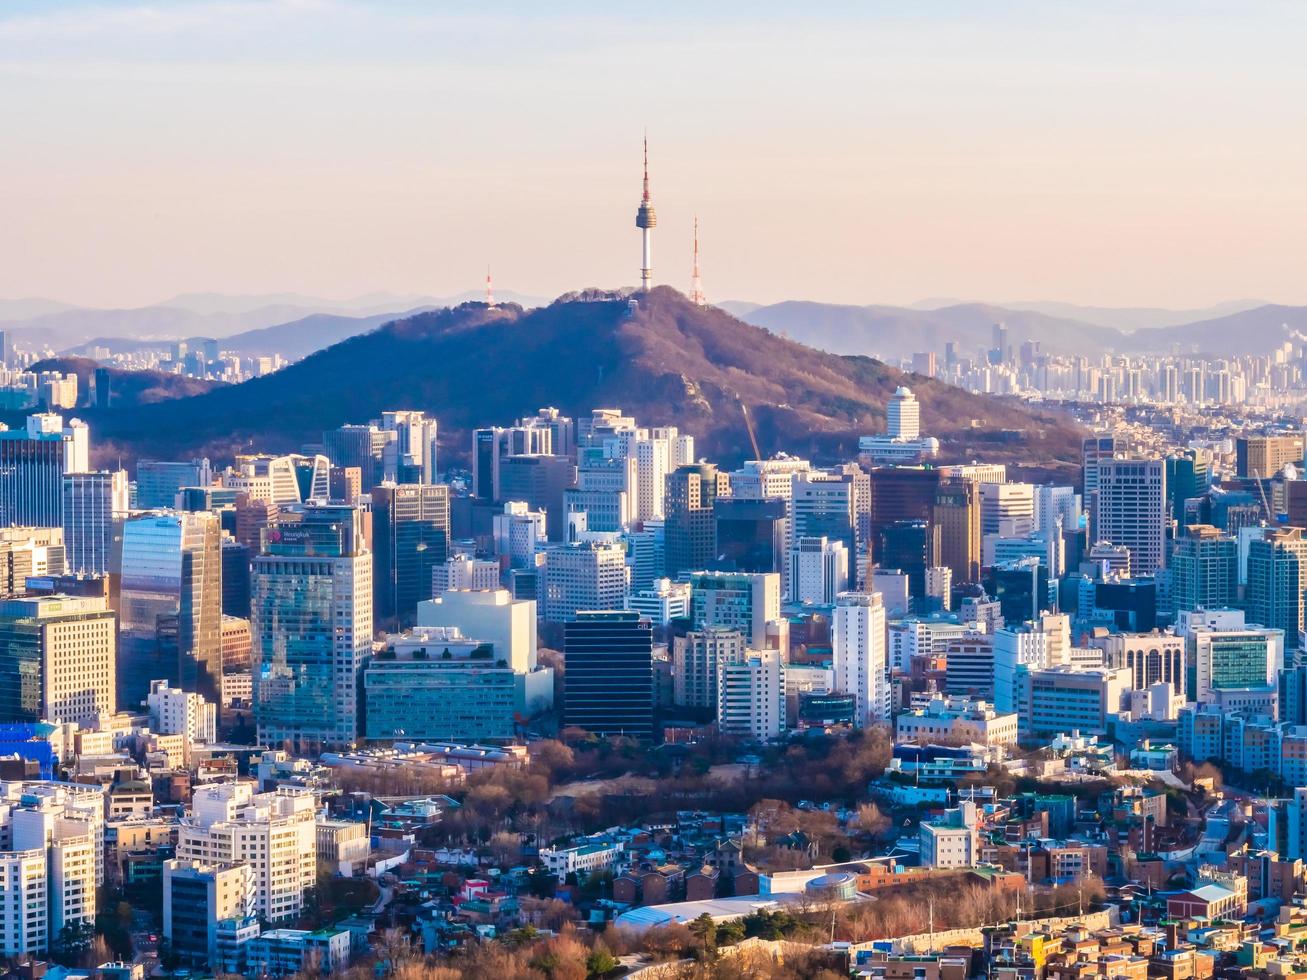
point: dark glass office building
(609, 681)
(410, 536)
(750, 534)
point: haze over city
(861, 153)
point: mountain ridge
(662, 359)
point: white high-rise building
(94, 508)
(464, 572)
(903, 415)
(519, 532)
(1053, 502)
(1131, 510)
(30, 811)
(819, 570)
(1034, 646)
(410, 457)
(1007, 508)
(653, 463)
(273, 833)
(177, 712)
(47, 875)
(751, 696)
(589, 575)
(494, 616)
(858, 647)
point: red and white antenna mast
(490, 292)
(696, 281)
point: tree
(552, 758)
(704, 929)
(600, 962)
(871, 820)
(505, 847)
(73, 942)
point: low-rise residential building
(953, 840)
(957, 719)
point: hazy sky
(1117, 153)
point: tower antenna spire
(645, 220)
(696, 281)
(646, 166)
(490, 292)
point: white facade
(903, 415)
(273, 833)
(952, 841)
(493, 616)
(818, 570)
(464, 572)
(858, 644)
(751, 696)
(519, 532)
(1007, 508)
(47, 882)
(1131, 510)
(177, 712)
(583, 859)
(664, 601)
(590, 575)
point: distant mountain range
(234, 319)
(1125, 319)
(296, 325)
(666, 361)
(894, 332)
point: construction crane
(1261, 488)
(748, 424)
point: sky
(866, 152)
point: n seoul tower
(645, 219)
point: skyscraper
(311, 611)
(409, 457)
(818, 571)
(750, 534)
(158, 481)
(587, 575)
(363, 446)
(57, 659)
(825, 505)
(410, 537)
(858, 648)
(689, 529)
(33, 461)
(1187, 476)
(910, 547)
(1204, 569)
(609, 662)
(903, 415)
(94, 508)
(1277, 578)
(1131, 511)
(738, 600)
(542, 481)
(171, 605)
(956, 516)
